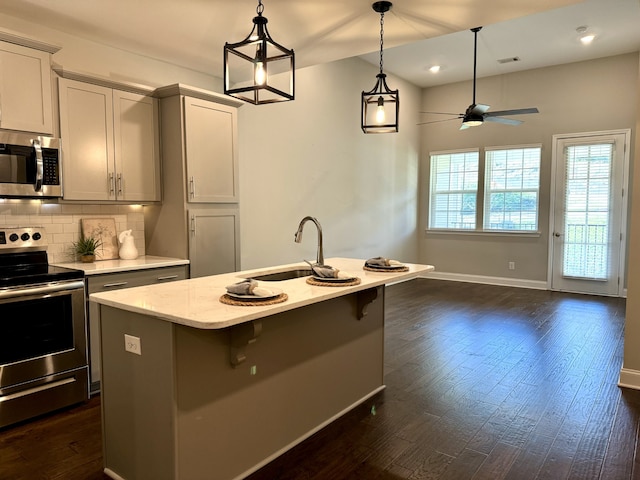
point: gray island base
(219, 402)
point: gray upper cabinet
(25, 89)
(199, 217)
(110, 143)
(211, 156)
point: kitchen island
(214, 391)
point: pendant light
(380, 106)
(258, 70)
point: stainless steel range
(43, 339)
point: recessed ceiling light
(585, 36)
(434, 69)
(587, 39)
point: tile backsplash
(61, 222)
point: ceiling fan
(476, 114)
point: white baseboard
(629, 378)
(502, 281)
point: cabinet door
(86, 127)
(212, 163)
(214, 241)
(137, 147)
(25, 89)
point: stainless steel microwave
(29, 166)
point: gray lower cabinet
(115, 281)
(213, 245)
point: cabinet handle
(115, 284)
(193, 224)
(119, 177)
(112, 186)
(167, 277)
(192, 187)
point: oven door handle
(37, 186)
(25, 291)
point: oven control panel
(18, 238)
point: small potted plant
(86, 247)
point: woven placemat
(319, 283)
(227, 300)
(386, 270)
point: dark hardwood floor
(483, 382)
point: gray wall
(578, 97)
(310, 157)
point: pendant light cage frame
(381, 96)
(255, 56)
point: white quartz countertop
(195, 302)
(112, 266)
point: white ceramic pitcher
(128, 250)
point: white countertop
(118, 265)
(195, 302)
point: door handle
(556, 234)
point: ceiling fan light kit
(259, 70)
(477, 113)
(380, 107)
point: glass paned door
(588, 214)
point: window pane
(454, 185)
(512, 182)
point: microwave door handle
(39, 164)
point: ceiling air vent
(509, 60)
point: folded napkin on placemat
(327, 271)
(382, 262)
(249, 287)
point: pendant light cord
(260, 8)
(381, 38)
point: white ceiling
(191, 33)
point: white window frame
(488, 189)
(458, 191)
(482, 199)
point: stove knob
(36, 236)
(24, 237)
(13, 237)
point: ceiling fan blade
(478, 108)
(439, 121)
(505, 121)
(518, 111)
(460, 115)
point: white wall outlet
(512, 265)
(132, 344)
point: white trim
(472, 231)
(626, 132)
(452, 152)
(111, 474)
(629, 378)
(512, 147)
(502, 281)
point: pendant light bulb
(380, 116)
(260, 75)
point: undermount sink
(283, 275)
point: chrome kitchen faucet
(298, 237)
